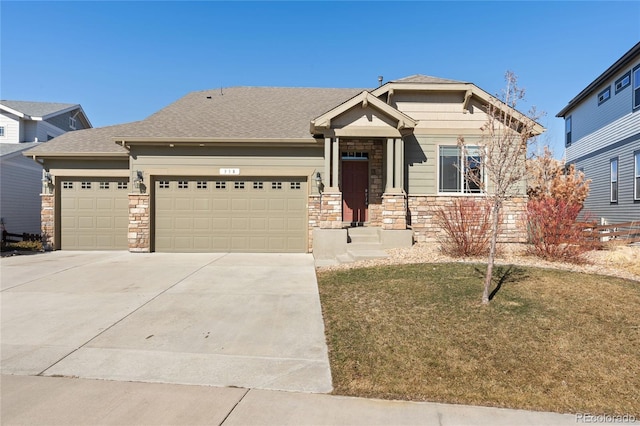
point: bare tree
(506, 136)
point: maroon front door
(355, 185)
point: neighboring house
(602, 139)
(268, 169)
(23, 125)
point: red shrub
(554, 231)
(466, 224)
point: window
(636, 87)
(183, 184)
(1, 131)
(163, 184)
(567, 131)
(85, 185)
(67, 185)
(623, 82)
(221, 185)
(238, 185)
(295, 185)
(123, 185)
(604, 95)
(276, 185)
(72, 123)
(201, 184)
(460, 169)
(258, 185)
(636, 174)
(104, 185)
(614, 180)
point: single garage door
(231, 215)
(94, 214)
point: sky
(124, 60)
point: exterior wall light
(139, 179)
(319, 181)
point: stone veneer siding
(48, 221)
(394, 212)
(314, 218)
(513, 226)
(139, 223)
(331, 210)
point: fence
(628, 232)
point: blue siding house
(602, 139)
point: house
(602, 139)
(269, 169)
(22, 126)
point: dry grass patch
(550, 340)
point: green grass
(549, 340)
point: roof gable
(366, 101)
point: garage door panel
(252, 214)
(94, 214)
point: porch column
(390, 161)
(335, 163)
(327, 162)
(399, 160)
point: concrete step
(344, 258)
(364, 245)
(367, 254)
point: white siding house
(602, 138)
(24, 125)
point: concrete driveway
(246, 320)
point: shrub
(23, 246)
(467, 227)
(554, 231)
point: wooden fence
(628, 232)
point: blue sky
(122, 61)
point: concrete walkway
(66, 401)
(246, 320)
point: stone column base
(48, 221)
(139, 223)
(331, 210)
(394, 211)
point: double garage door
(191, 215)
(212, 214)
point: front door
(355, 187)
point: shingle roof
(37, 109)
(420, 78)
(94, 140)
(10, 148)
(236, 112)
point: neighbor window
(460, 169)
(636, 180)
(614, 180)
(567, 131)
(636, 87)
(1, 131)
(604, 95)
(623, 82)
(72, 123)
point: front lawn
(550, 340)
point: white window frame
(462, 169)
(635, 77)
(567, 131)
(614, 180)
(636, 176)
(72, 123)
